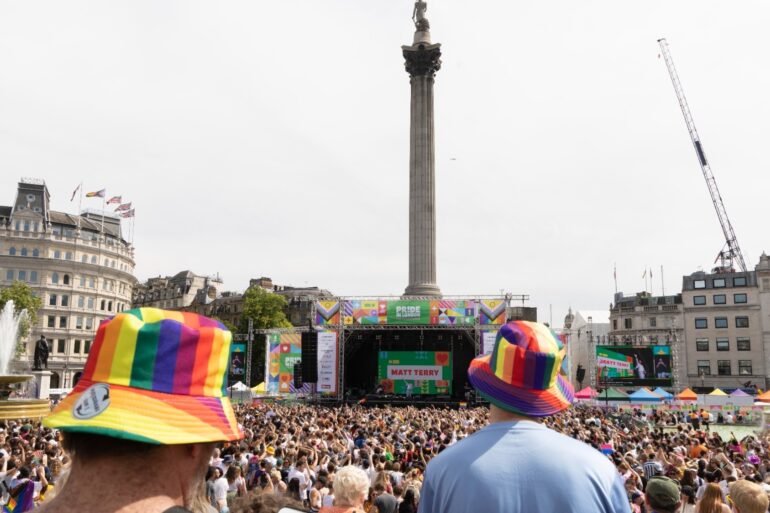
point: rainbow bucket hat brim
(523, 372)
(154, 376)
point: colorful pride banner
(284, 350)
(401, 312)
(327, 312)
(492, 311)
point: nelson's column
(423, 60)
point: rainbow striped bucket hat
(523, 374)
(154, 376)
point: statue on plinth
(418, 16)
(41, 354)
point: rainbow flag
(606, 449)
(24, 500)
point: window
(57, 254)
(699, 300)
(704, 368)
(84, 259)
(701, 323)
(91, 303)
(36, 253)
(89, 323)
(723, 368)
(65, 300)
(23, 251)
(9, 275)
(739, 281)
(81, 302)
(82, 280)
(33, 276)
(87, 347)
(76, 349)
(740, 298)
(109, 306)
(55, 278)
(61, 346)
(93, 259)
(720, 299)
(699, 284)
(653, 322)
(91, 282)
(51, 321)
(741, 322)
(103, 304)
(628, 323)
(79, 323)
(701, 344)
(723, 344)
(63, 321)
(744, 367)
(68, 255)
(26, 223)
(12, 251)
(52, 300)
(719, 283)
(22, 275)
(66, 279)
(720, 322)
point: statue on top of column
(418, 16)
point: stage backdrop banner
(408, 312)
(285, 349)
(327, 313)
(452, 313)
(327, 362)
(428, 372)
(364, 312)
(491, 311)
(401, 312)
(634, 365)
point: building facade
(176, 292)
(723, 329)
(584, 329)
(79, 265)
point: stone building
(584, 330)
(176, 292)
(725, 329)
(80, 266)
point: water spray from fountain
(9, 333)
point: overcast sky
(271, 138)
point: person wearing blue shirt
(516, 464)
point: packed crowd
(168, 442)
(294, 454)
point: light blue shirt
(522, 467)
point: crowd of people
(143, 433)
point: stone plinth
(43, 382)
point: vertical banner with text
(327, 362)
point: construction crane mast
(731, 252)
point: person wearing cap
(662, 495)
(747, 497)
(151, 403)
(516, 464)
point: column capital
(422, 59)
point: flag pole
(662, 284)
(615, 276)
(104, 209)
(80, 205)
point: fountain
(12, 408)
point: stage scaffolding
(473, 332)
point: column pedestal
(43, 384)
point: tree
(267, 311)
(23, 299)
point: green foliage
(267, 310)
(23, 299)
(229, 325)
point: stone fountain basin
(11, 379)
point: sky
(272, 138)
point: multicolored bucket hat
(523, 374)
(154, 376)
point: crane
(731, 252)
